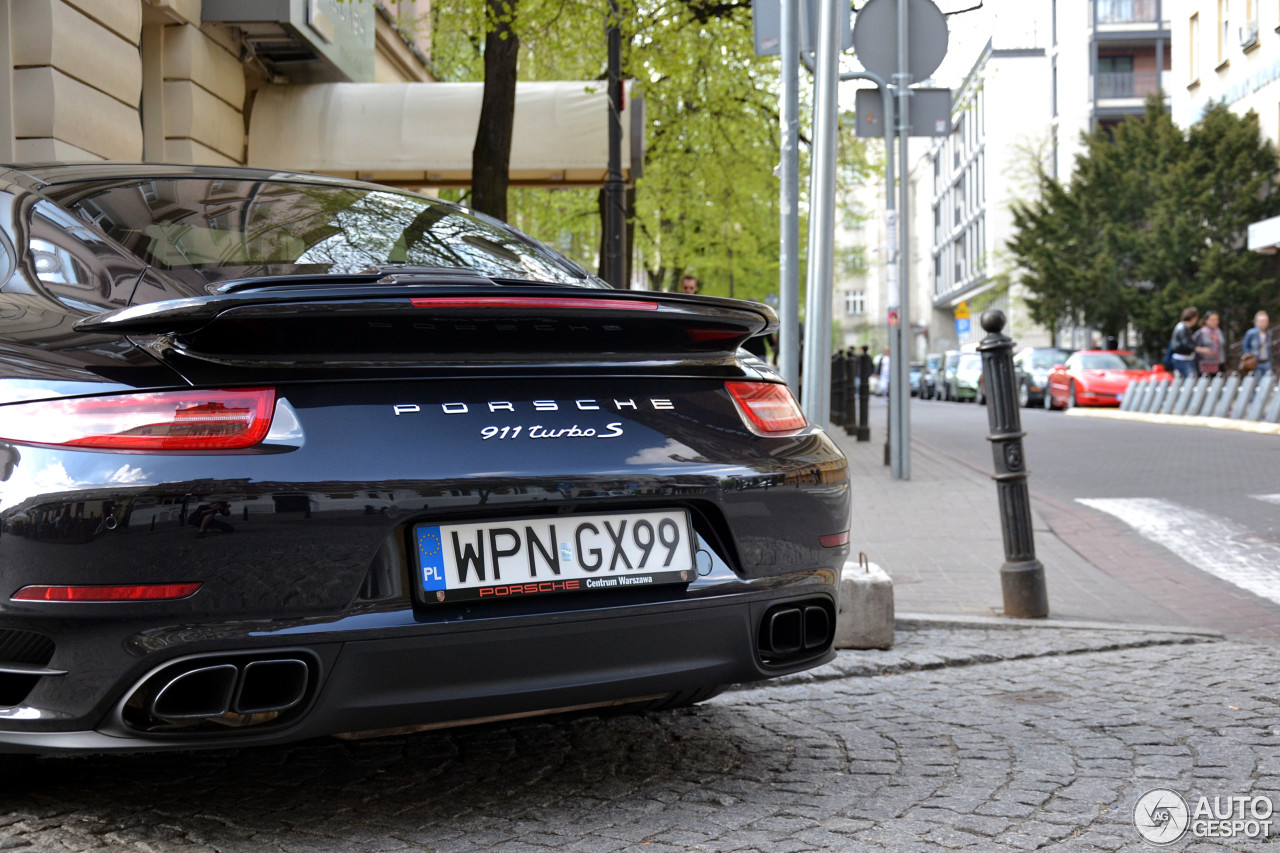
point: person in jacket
(205, 517)
(1182, 348)
(1257, 342)
(1211, 346)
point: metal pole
(789, 197)
(1022, 575)
(614, 188)
(899, 290)
(817, 355)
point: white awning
(1264, 236)
(421, 134)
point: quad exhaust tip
(225, 691)
(795, 631)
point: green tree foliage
(707, 203)
(1153, 220)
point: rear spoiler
(354, 320)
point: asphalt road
(1215, 471)
(1201, 499)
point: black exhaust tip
(784, 631)
(817, 627)
(200, 692)
(223, 693)
(271, 685)
(795, 631)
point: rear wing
(356, 322)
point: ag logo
(1161, 816)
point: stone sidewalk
(998, 736)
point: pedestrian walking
(689, 284)
(1255, 350)
(1182, 348)
(1210, 345)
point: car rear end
(435, 499)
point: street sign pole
(789, 196)
(815, 394)
(902, 40)
(899, 362)
(615, 215)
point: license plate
(566, 553)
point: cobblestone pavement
(979, 736)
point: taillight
(130, 592)
(767, 407)
(162, 420)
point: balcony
(1127, 12)
(1126, 84)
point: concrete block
(865, 620)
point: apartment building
(1106, 58)
(1025, 107)
(1227, 51)
(1001, 127)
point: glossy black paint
(365, 444)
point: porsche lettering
(581, 405)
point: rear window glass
(1047, 358)
(215, 230)
(1112, 361)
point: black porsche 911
(283, 456)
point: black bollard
(863, 367)
(1022, 575)
(850, 391)
(839, 364)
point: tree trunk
(491, 156)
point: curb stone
(929, 642)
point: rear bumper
(450, 674)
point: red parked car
(1097, 377)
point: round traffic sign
(875, 37)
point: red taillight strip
(767, 407)
(130, 592)
(834, 540)
(186, 420)
(531, 302)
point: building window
(1115, 77)
(1249, 31)
(1193, 47)
(1053, 93)
(1224, 28)
(855, 303)
(1126, 11)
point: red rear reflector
(532, 302)
(132, 592)
(767, 407)
(834, 540)
(699, 335)
(164, 420)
